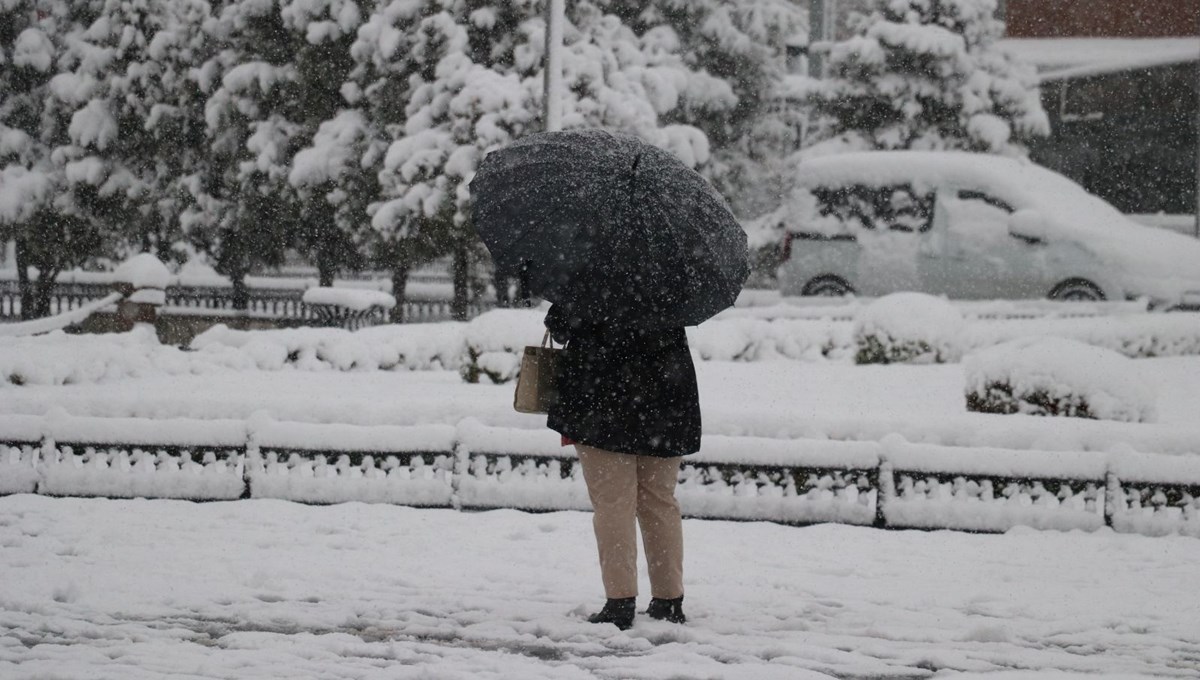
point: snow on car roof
(887, 167)
(1020, 183)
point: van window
(897, 207)
(969, 195)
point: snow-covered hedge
(417, 347)
(490, 345)
(494, 341)
(1135, 335)
(57, 358)
(908, 328)
(61, 359)
(748, 339)
(1057, 377)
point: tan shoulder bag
(537, 384)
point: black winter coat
(626, 390)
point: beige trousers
(626, 490)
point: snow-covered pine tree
(329, 214)
(379, 85)
(927, 74)
(417, 173)
(130, 76)
(276, 79)
(237, 217)
(743, 43)
(472, 76)
(39, 163)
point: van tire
(827, 286)
(1077, 290)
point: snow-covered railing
(269, 297)
(137, 292)
(889, 483)
(58, 321)
(349, 308)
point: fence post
(886, 478)
(1114, 498)
(48, 449)
(461, 466)
(885, 482)
(251, 462)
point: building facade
(1101, 18)
(1121, 83)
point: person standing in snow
(628, 402)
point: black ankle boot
(618, 612)
(667, 610)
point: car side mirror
(1029, 225)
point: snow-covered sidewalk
(269, 589)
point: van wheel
(1077, 290)
(829, 286)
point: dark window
(897, 207)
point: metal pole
(816, 34)
(822, 29)
(1197, 100)
(552, 77)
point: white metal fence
(890, 483)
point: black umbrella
(610, 227)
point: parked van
(971, 226)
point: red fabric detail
(567, 441)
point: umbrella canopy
(610, 227)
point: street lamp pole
(552, 77)
(822, 25)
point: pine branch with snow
(39, 163)
(927, 74)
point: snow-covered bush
(1057, 377)
(57, 358)
(748, 339)
(60, 359)
(908, 327)
(416, 347)
(493, 343)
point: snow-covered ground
(269, 589)
(93, 588)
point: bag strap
(548, 341)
